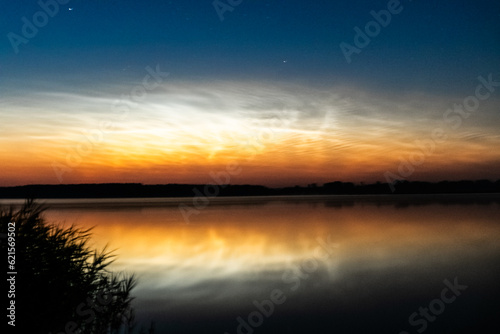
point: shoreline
(333, 200)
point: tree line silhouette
(132, 190)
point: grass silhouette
(62, 285)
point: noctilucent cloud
(290, 92)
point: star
(70, 8)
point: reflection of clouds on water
(385, 257)
(248, 243)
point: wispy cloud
(282, 126)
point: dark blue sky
(428, 46)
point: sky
(278, 93)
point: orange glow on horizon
(169, 140)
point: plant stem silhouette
(62, 284)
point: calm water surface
(310, 265)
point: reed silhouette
(63, 285)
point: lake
(325, 264)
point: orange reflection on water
(234, 240)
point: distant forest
(132, 190)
